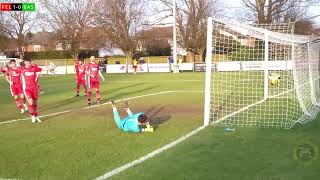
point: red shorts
(16, 89)
(93, 84)
(81, 80)
(31, 93)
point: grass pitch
(85, 143)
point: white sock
(114, 109)
(128, 111)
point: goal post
(266, 65)
(260, 75)
(208, 73)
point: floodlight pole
(175, 70)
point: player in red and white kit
(40, 89)
(80, 68)
(92, 79)
(14, 79)
(3, 70)
(30, 87)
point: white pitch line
(144, 158)
(135, 97)
(150, 155)
(186, 80)
(47, 115)
(68, 111)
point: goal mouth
(260, 75)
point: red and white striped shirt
(30, 76)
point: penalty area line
(150, 155)
(47, 115)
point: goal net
(260, 75)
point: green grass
(85, 143)
(247, 154)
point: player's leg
(22, 97)
(35, 104)
(78, 84)
(83, 82)
(97, 89)
(89, 89)
(30, 106)
(89, 94)
(36, 112)
(18, 102)
(135, 69)
(23, 100)
(14, 93)
(116, 115)
(126, 107)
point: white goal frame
(305, 89)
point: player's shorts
(31, 93)
(135, 67)
(16, 89)
(81, 80)
(93, 84)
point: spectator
(142, 61)
(180, 60)
(135, 65)
(170, 59)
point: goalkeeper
(274, 78)
(134, 122)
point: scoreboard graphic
(17, 7)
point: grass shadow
(156, 120)
(62, 103)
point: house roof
(158, 33)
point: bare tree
(191, 22)
(69, 18)
(271, 11)
(16, 24)
(123, 22)
(305, 27)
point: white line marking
(148, 156)
(68, 111)
(135, 97)
(186, 80)
(47, 115)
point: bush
(49, 55)
(60, 54)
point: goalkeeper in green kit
(135, 123)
